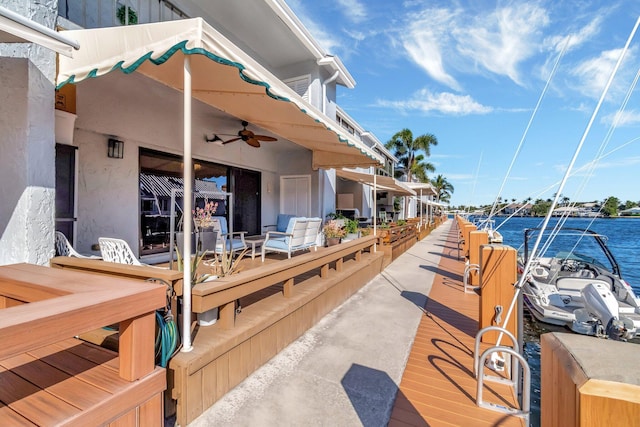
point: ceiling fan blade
(231, 140)
(265, 138)
(253, 142)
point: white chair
(64, 248)
(117, 250)
(227, 242)
(291, 240)
(312, 232)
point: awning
(427, 189)
(222, 76)
(385, 183)
(15, 28)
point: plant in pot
(351, 229)
(366, 231)
(222, 265)
(333, 232)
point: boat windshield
(583, 247)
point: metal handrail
(526, 402)
(468, 268)
(476, 366)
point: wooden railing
(224, 292)
(390, 235)
(42, 307)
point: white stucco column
(27, 141)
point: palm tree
(443, 188)
(412, 153)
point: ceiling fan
(246, 135)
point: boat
(579, 286)
(488, 225)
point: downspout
(324, 90)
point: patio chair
(117, 250)
(64, 248)
(291, 240)
(312, 232)
(226, 241)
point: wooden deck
(438, 387)
(49, 378)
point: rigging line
(527, 266)
(607, 139)
(526, 131)
(475, 181)
(612, 128)
(580, 169)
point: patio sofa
(301, 233)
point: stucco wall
(27, 166)
(144, 114)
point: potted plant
(333, 232)
(221, 265)
(351, 229)
(366, 231)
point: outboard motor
(600, 302)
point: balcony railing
(111, 13)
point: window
(300, 85)
(159, 174)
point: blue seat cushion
(278, 243)
(283, 222)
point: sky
(508, 88)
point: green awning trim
(200, 51)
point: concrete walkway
(345, 370)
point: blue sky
(472, 72)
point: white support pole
(187, 222)
(375, 207)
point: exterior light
(115, 149)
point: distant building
(631, 211)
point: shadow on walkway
(454, 318)
(372, 393)
(444, 273)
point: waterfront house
(111, 130)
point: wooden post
(466, 230)
(227, 315)
(287, 288)
(579, 390)
(136, 348)
(498, 273)
(476, 239)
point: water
(623, 241)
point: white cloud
(573, 40)
(623, 118)
(593, 74)
(424, 40)
(353, 10)
(444, 102)
(445, 40)
(504, 38)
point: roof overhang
(222, 76)
(384, 183)
(15, 28)
(427, 189)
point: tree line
(610, 207)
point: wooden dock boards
(438, 387)
(74, 383)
